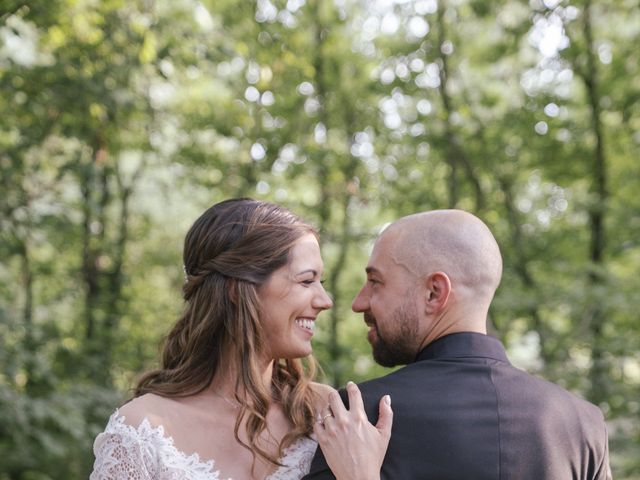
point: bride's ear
(437, 291)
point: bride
(232, 399)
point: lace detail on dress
(296, 460)
(144, 453)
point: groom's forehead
(384, 242)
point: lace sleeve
(122, 454)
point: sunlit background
(121, 121)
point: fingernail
(387, 399)
(350, 383)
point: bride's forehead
(307, 244)
(306, 250)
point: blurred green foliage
(121, 121)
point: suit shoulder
(377, 387)
(536, 390)
(551, 388)
(582, 406)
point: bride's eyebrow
(310, 270)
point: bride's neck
(228, 380)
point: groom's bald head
(451, 241)
(429, 275)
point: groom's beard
(396, 347)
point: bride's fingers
(327, 414)
(356, 405)
(336, 407)
(385, 417)
(318, 430)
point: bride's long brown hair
(229, 252)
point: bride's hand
(353, 447)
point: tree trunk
(96, 199)
(89, 261)
(455, 156)
(450, 156)
(30, 342)
(115, 282)
(321, 161)
(344, 240)
(522, 270)
(334, 284)
(597, 211)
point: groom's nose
(361, 302)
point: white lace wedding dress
(145, 453)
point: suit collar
(465, 344)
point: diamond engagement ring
(327, 416)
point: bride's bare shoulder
(154, 408)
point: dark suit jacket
(463, 412)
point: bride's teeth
(304, 323)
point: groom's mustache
(370, 319)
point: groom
(461, 410)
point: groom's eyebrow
(370, 270)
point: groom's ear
(437, 290)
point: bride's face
(291, 300)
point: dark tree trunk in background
(597, 214)
(455, 155)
